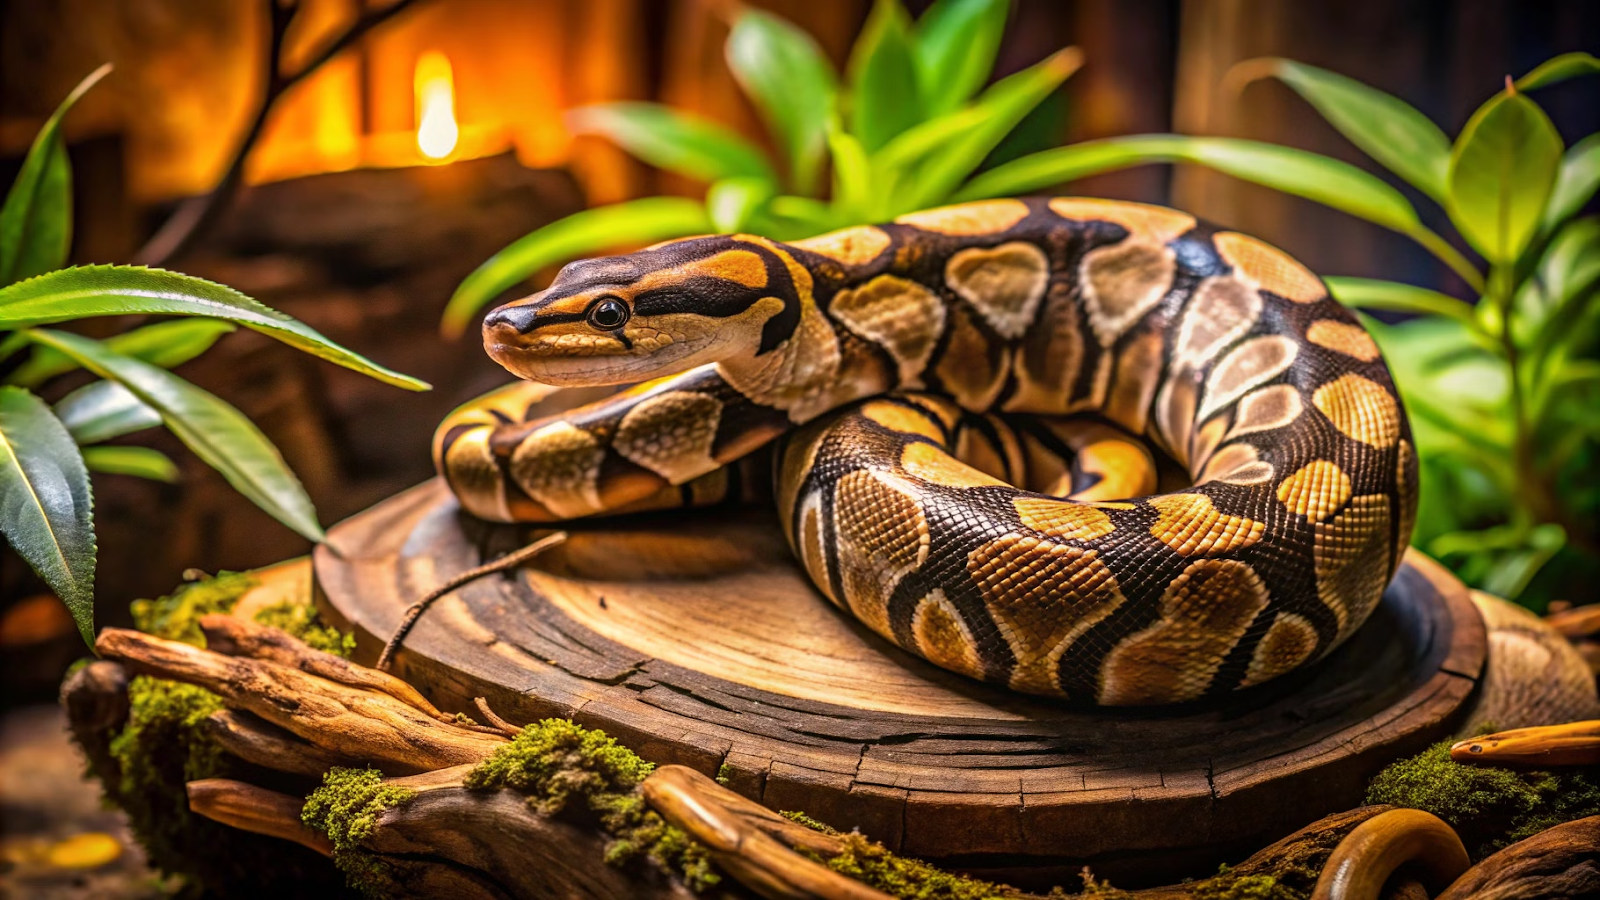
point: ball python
(1081, 448)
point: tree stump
(694, 639)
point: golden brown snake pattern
(1222, 477)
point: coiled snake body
(1222, 476)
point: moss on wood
(346, 809)
(1489, 807)
(564, 768)
(302, 621)
(163, 746)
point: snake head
(630, 318)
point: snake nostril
(517, 317)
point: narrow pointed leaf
(1560, 68)
(618, 225)
(956, 42)
(1502, 171)
(85, 291)
(36, 220)
(103, 410)
(1579, 177)
(996, 112)
(884, 95)
(164, 344)
(733, 202)
(792, 84)
(1389, 130)
(140, 462)
(852, 177)
(675, 141)
(1370, 293)
(220, 435)
(1310, 175)
(46, 507)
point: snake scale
(1081, 448)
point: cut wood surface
(694, 639)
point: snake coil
(1077, 447)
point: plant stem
(1447, 254)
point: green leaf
(884, 96)
(140, 462)
(1310, 175)
(46, 506)
(733, 202)
(675, 141)
(792, 84)
(220, 435)
(853, 188)
(1580, 176)
(1502, 171)
(620, 224)
(1370, 293)
(1560, 68)
(985, 123)
(1386, 128)
(956, 42)
(86, 291)
(164, 344)
(36, 220)
(103, 410)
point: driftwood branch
(347, 721)
(1563, 861)
(250, 808)
(194, 216)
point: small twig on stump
(488, 714)
(509, 561)
(195, 215)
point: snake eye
(608, 314)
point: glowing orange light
(434, 84)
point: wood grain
(695, 640)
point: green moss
(1489, 807)
(724, 772)
(162, 747)
(1227, 885)
(911, 879)
(301, 621)
(803, 819)
(176, 616)
(566, 769)
(346, 809)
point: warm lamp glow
(437, 131)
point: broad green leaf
(46, 506)
(140, 462)
(1580, 176)
(799, 217)
(1560, 68)
(164, 344)
(884, 96)
(36, 220)
(86, 291)
(618, 225)
(1370, 293)
(1386, 128)
(1569, 276)
(853, 187)
(733, 202)
(995, 113)
(675, 141)
(792, 84)
(220, 435)
(956, 42)
(1502, 170)
(103, 410)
